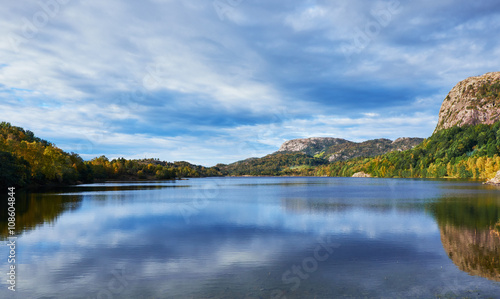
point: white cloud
(308, 18)
(171, 79)
(93, 55)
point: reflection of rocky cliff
(476, 252)
(470, 233)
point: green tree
(14, 171)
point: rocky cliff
(475, 100)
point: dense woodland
(274, 164)
(459, 152)
(369, 148)
(26, 160)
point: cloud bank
(220, 81)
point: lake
(281, 237)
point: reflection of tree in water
(34, 209)
(470, 233)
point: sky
(219, 81)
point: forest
(468, 152)
(26, 160)
(274, 165)
(458, 152)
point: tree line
(468, 152)
(26, 160)
(457, 152)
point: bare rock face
(310, 145)
(473, 101)
(406, 143)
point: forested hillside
(274, 164)
(458, 152)
(335, 149)
(302, 156)
(465, 144)
(104, 169)
(26, 160)
(369, 148)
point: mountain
(311, 146)
(459, 152)
(335, 149)
(278, 163)
(303, 156)
(465, 144)
(475, 100)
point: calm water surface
(258, 238)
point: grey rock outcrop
(311, 146)
(473, 101)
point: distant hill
(459, 152)
(370, 148)
(473, 101)
(335, 149)
(312, 146)
(301, 156)
(465, 144)
(273, 164)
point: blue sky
(219, 81)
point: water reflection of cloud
(239, 243)
(162, 246)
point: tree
(14, 172)
(492, 150)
